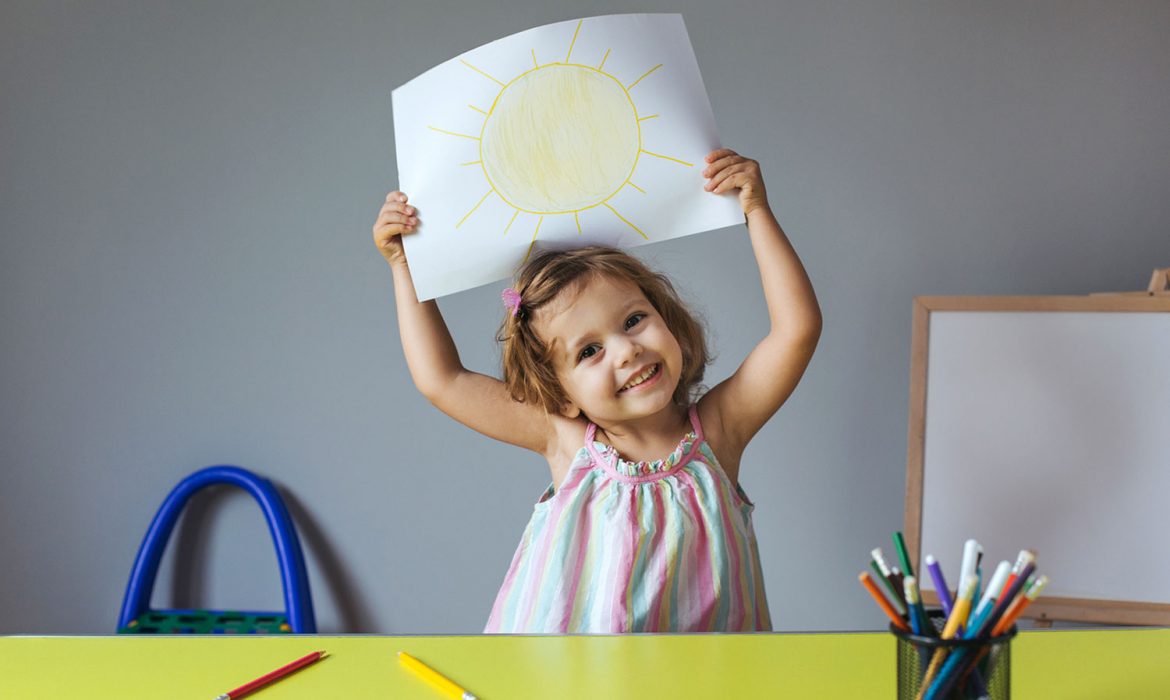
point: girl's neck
(649, 438)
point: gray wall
(187, 277)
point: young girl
(645, 527)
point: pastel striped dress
(663, 546)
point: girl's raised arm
(476, 400)
(741, 404)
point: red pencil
(270, 677)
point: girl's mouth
(646, 377)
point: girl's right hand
(395, 219)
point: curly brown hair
(527, 360)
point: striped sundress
(663, 546)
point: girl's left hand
(728, 170)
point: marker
(903, 555)
(867, 581)
(987, 604)
(958, 616)
(918, 617)
(1012, 592)
(886, 572)
(1021, 561)
(880, 560)
(1017, 607)
(896, 579)
(437, 680)
(940, 584)
(950, 672)
(888, 589)
(970, 553)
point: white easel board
(1044, 422)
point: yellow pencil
(440, 682)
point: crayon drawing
(559, 146)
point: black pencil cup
(981, 668)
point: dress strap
(611, 463)
(590, 434)
(693, 412)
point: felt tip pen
(940, 584)
(919, 620)
(895, 618)
(903, 555)
(896, 579)
(987, 604)
(1018, 605)
(887, 588)
(880, 560)
(1021, 561)
(970, 553)
(1013, 591)
(957, 617)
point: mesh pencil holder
(930, 668)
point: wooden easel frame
(1046, 607)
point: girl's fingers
(398, 207)
(719, 153)
(724, 162)
(389, 218)
(716, 183)
(396, 196)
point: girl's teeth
(641, 378)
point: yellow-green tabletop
(1066, 664)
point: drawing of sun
(560, 138)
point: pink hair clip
(511, 300)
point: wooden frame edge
(1045, 608)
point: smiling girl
(645, 527)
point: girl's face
(613, 353)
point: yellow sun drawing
(560, 138)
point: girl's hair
(527, 360)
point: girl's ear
(570, 410)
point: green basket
(207, 622)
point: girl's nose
(628, 352)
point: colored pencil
(437, 680)
(272, 677)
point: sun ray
(489, 192)
(452, 133)
(676, 160)
(477, 70)
(472, 162)
(631, 85)
(534, 63)
(599, 66)
(510, 222)
(577, 218)
(485, 113)
(652, 116)
(615, 213)
(574, 41)
(635, 187)
(533, 243)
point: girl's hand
(728, 170)
(395, 219)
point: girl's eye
(634, 320)
(587, 352)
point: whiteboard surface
(1051, 431)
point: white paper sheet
(583, 132)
